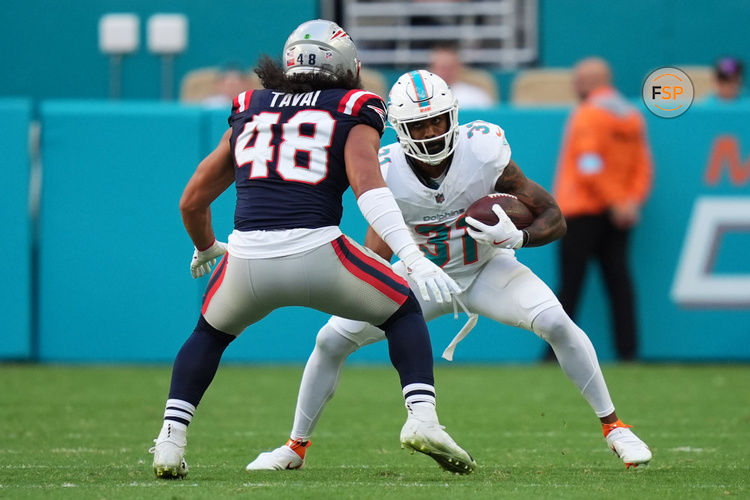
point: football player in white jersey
(436, 170)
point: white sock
(320, 379)
(419, 393)
(576, 356)
(179, 412)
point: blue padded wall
(15, 294)
(114, 257)
(114, 254)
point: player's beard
(436, 146)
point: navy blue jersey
(289, 155)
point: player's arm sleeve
(375, 243)
(380, 209)
(375, 200)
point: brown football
(519, 213)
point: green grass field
(84, 432)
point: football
(519, 213)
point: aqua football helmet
(418, 95)
(320, 46)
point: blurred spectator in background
(603, 178)
(728, 80)
(230, 83)
(446, 63)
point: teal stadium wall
(114, 284)
(639, 36)
(15, 292)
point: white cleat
(429, 437)
(289, 456)
(629, 447)
(169, 453)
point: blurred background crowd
(501, 51)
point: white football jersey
(436, 216)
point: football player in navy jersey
(292, 149)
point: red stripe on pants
(388, 291)
(216, 284)
(374, 263)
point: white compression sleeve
(381, 211)
(320, 378)
(576, 356)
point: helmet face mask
(420, 95)
(320, 46)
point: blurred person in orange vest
(603, 178)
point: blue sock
(196, 363)
(409, 344)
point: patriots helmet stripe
(320, 46)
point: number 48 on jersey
(301, 152)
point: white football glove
(430, 277)
(203, 260)
(504, 234)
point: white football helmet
(320, 46)
(418, 95)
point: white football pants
(340, 277)
(504, 290)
